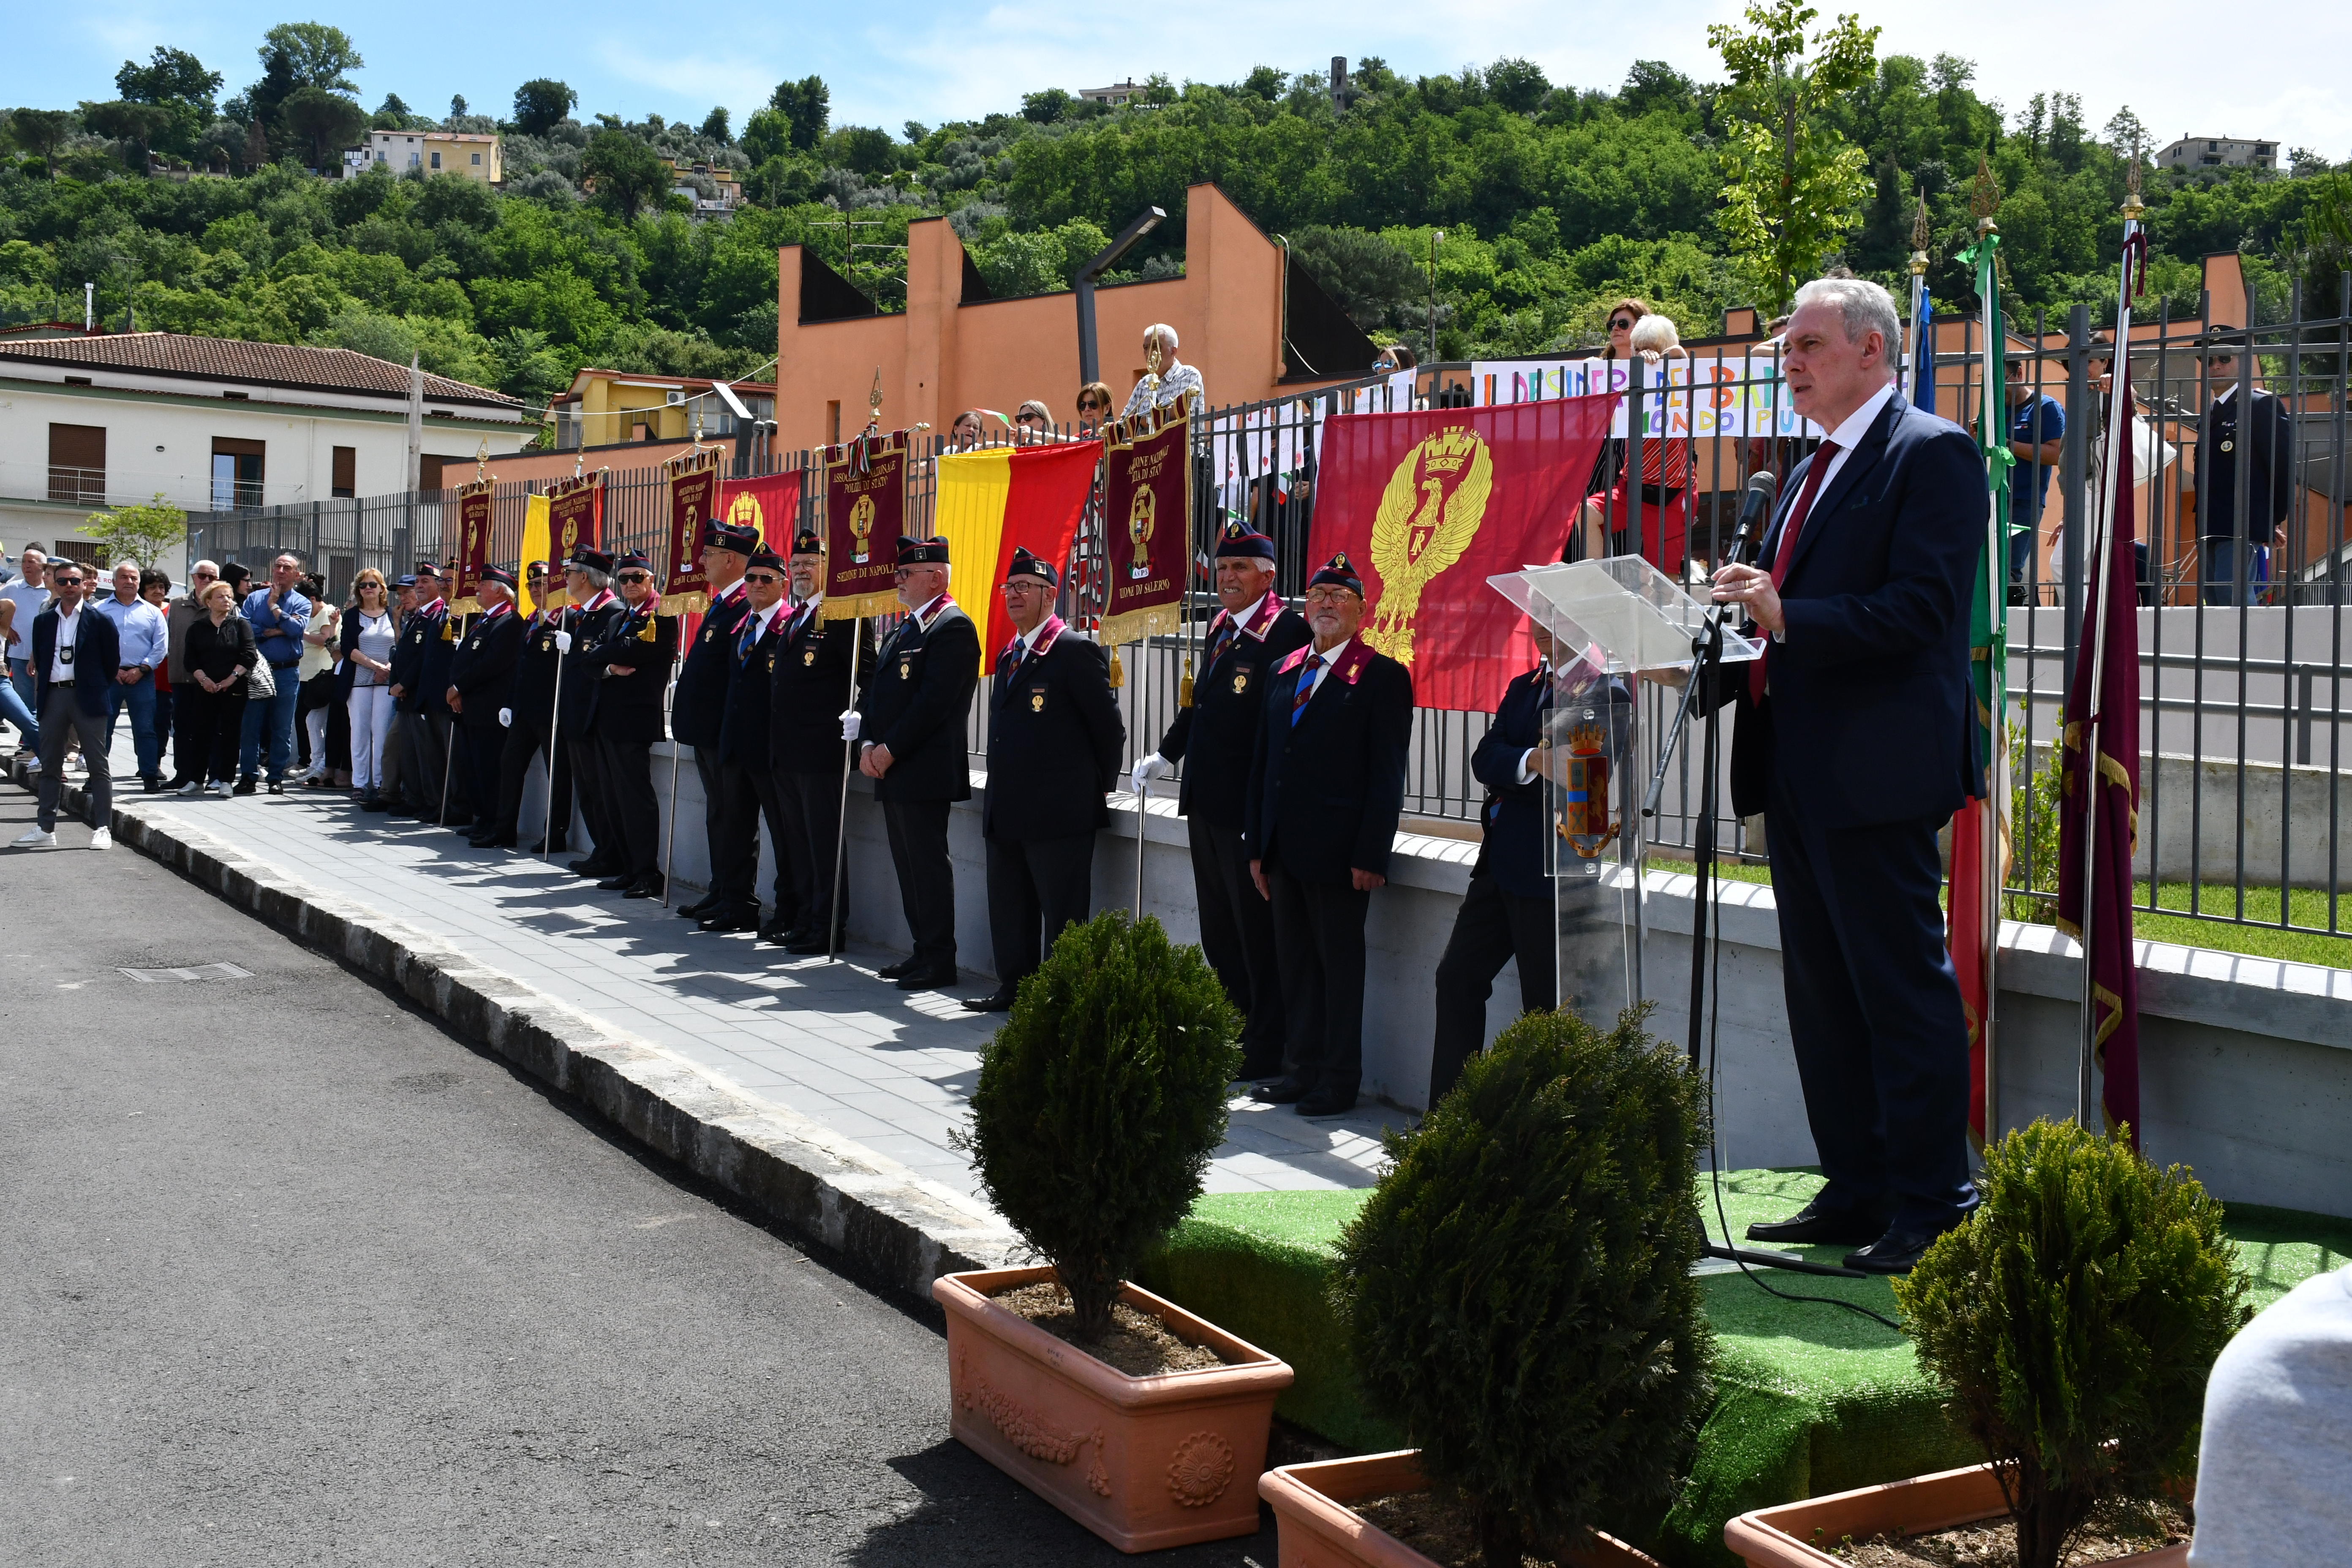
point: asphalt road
(293, 1276)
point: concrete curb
(885, 1224)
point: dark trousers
(425, 766)
(1318, 946)
(1874, 1012)
(1237, 936)
(769, 801)
(1491, 928)
(1034, 884)
(62, 719)
(811, 807)
(481, 745)
(210, 725)
(528, 738)
(918, 851)
(595, 806)
(731, 827)
(625, 779)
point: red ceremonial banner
(575, 520)
(865, 513)
(770, 504)
(1428, 504)
(1147, 527)
(473, 544)
(693, 480)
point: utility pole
(1436, 235)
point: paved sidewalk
(889, 1070)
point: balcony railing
(83, 487)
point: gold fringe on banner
(469, 605)
(694, 598)
(860, 604)
(1159, 620)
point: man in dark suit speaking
(1856, 738)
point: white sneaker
(194, 786)
(34, 838)
(32, 765)
(101, 838)
(222, 789)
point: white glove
(1148, 767)
(851, 723)
(506, 718)
(562, 642)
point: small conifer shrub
(2074, 1318)
(1100, 1100)
(1517, 1290)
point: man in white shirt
(1177, 379)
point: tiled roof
(234, 359)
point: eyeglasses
(1090, 407)
(1325, 598)
(1024, 586)
(633, 577)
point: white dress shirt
(62, 652)
(1315, 678)
(1849, 435)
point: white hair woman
(1607, 519)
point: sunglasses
(635, 577)
(763, 577)
(1091, 408)
(1621, 324)
(1028, 420)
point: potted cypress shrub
(1099, 1102)
(1519, 1298)
(2074, 1321)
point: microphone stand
(1704, 688)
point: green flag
(1988, 617)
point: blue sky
(890, 64)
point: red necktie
(1787, 549)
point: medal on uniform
(1241, 681)
(2227, 445)
(706, 634)
(808, 656)
(905, 667)
(771, 663)
(1036, 701)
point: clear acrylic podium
(1611, 622)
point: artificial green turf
(1810, 1398)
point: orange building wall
(940, 356)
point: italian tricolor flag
(992, 502)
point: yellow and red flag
(994, 501)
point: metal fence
(2241, 676)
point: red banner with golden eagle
(1430, 503)
(768, 505)
(473, 544)
(691, 480)
(1147, 528)
(575, 520)
(865, 513)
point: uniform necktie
(1306, 686)
(1787, 549)
(745, 640)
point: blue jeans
(140, 698)
(16, 703)
(2221, 570)
(278, 712)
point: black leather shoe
(150, 784)
(782, 935)
(898, 971)
(732, 920)
(1893, 1253)
(1820, 1226)
(492, 841)
(1282, 1091)
(1258, 1069)
(927, 979)
(994, 1001)
(1320, 1104)
(247, 785)
(700, 908)
(621, 882)
(809, 944)
(593, 868)
(648, 886)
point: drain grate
(201, 972)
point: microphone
(1762, 488)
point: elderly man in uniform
(420, 682)
(743, 732)
(1326, 786)
(632, 658)
(806, 755)
(1177, 379)
(530, 721)
(481, 678)
(908, 727)
(698, 711)
(1253, 632)
(588, 576)
(1054, 740)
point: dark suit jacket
(421, 661)
(645, 642)
(916, 704)
(1511, 846)
(97, 650)
(1219, 732)
(697, 708)
(743, 729)
(2265, 439)
(807, 690)
(1053, 741)
(482, 669)
(1870, 718)
(1326, 791)
(532, 693)
(583, 680)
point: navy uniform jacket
(697, 708)
(533, 695)
(420, 660)
(629, 707)
(807, 690)
(482, 669)
(2266, 440)
(1511, 849)
(1054, 740)
(743, 729)
(583, 678)
(1871, 718)
(916, 704)
(1219, 731)
(1326, 793)
(97, 653)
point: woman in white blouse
(371, 626)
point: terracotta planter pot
(1781, 1537)
(1319, 1530)
(1143, 1462)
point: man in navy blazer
(75, 657)
(1856, 738)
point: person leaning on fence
(1032, 424)
(698, 711)
(1253, 631)
(2262, 433)
(75, 659)
(805, 750)
(908, 727)
(2037, 429)
(363, 676)
(1651, 344)
(481, 681)
(1177, 379)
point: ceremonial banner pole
(449, 749)
(554, 739)
(841, 819)
(692, 485)
(670, 834)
